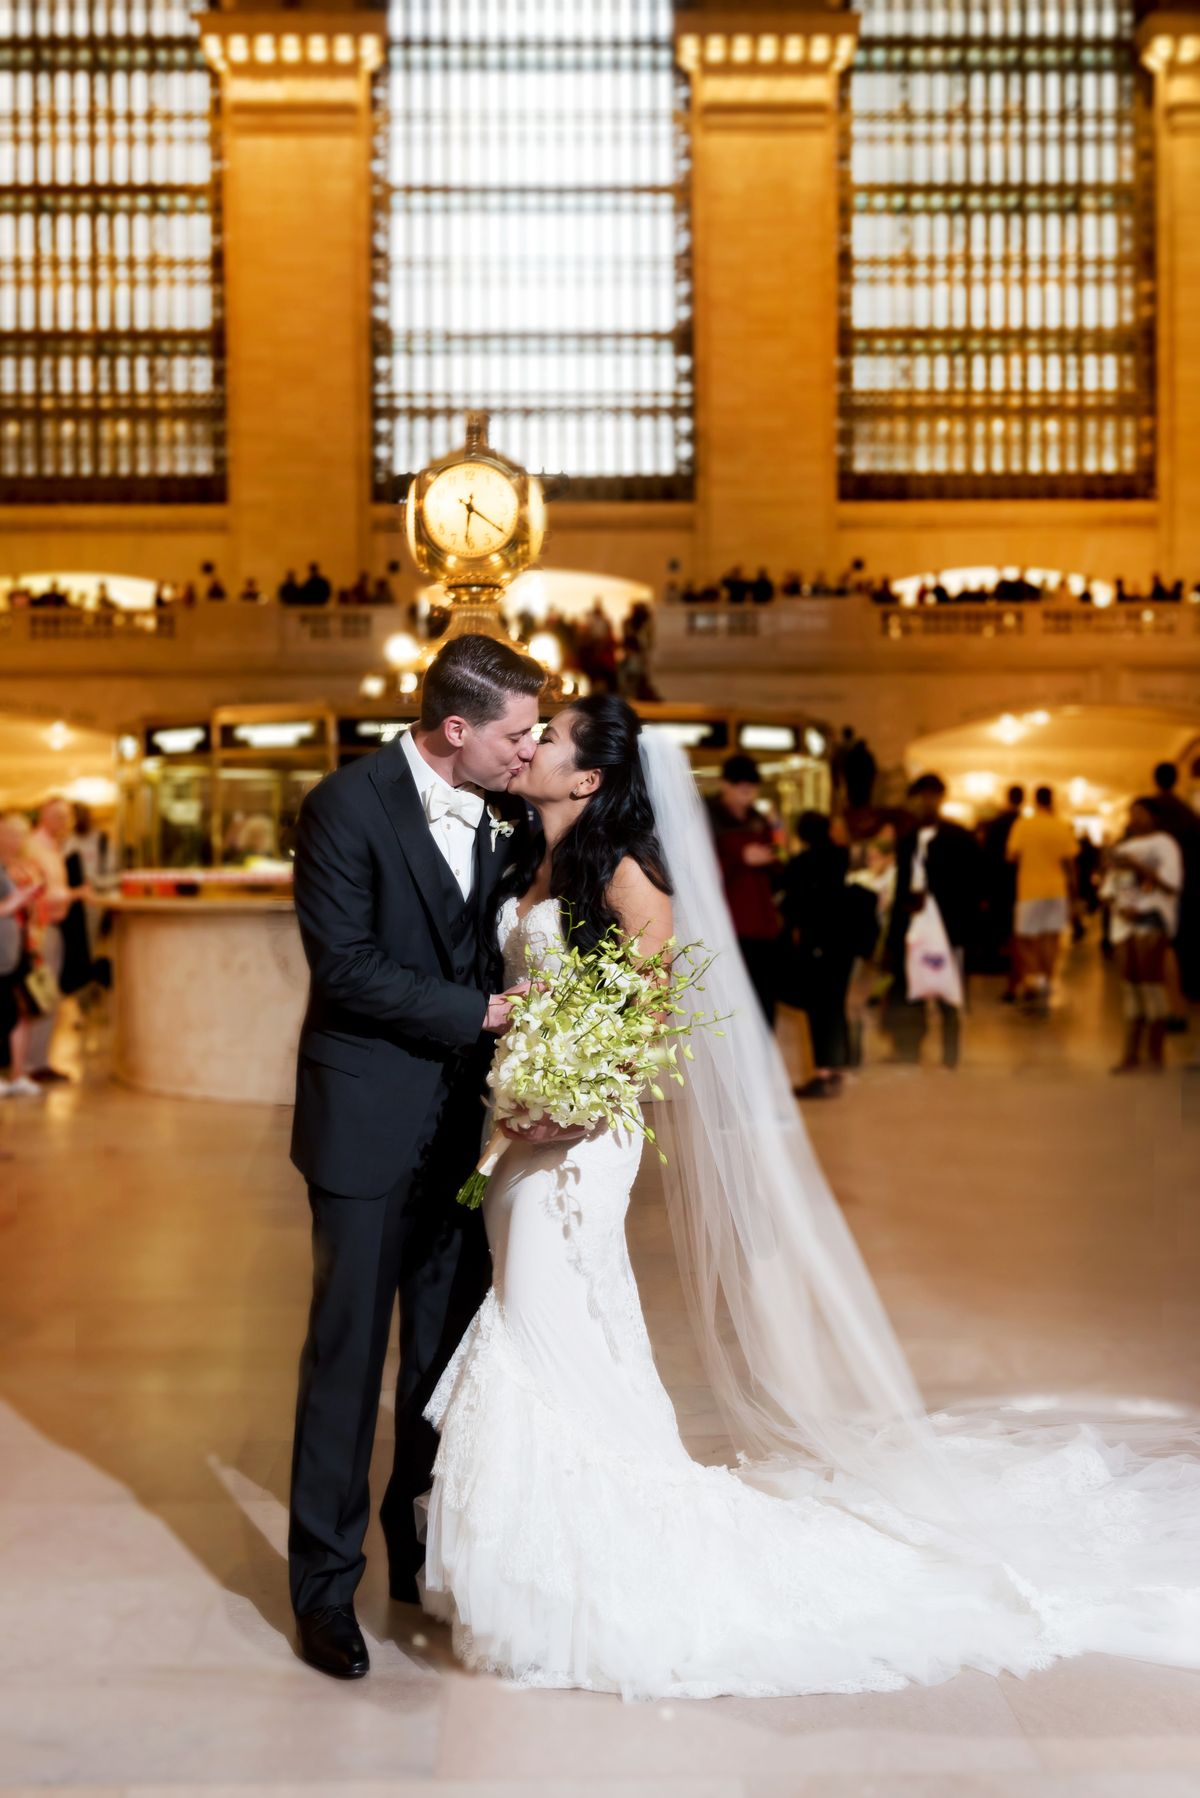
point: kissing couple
(541, 1500)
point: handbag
(931, 969)
(39, 987)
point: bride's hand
(543, 1132)
(498, 1015)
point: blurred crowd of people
(894, 909)
(612, 659)
(738, 587)
(52, 873)
(1018, 589)
(313, 588)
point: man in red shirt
(746, 844)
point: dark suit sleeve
(335, 909)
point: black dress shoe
(331, 1641)
(402, 1587)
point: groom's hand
(498, 1016)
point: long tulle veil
(798, 1348)
(1103, 1514)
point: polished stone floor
(1033, 1223)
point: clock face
(471, 509)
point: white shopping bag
(930, 965)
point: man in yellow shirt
(1044, 848)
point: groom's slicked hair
(474, 678)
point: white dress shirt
(453, 834)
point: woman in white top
(1144, 883)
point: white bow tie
(463, 803)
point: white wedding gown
(571, 1540)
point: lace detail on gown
(573, 1542)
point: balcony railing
(930, 623)
(210, 638)
(848, 631)
(55, 625)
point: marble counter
(210, 994)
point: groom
(398, 857)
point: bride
(858, 1544)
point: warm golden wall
(297, 201)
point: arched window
(111, 346)
(533, 242)
(997, 329)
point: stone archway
(1097, 757)
(40, 755)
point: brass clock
(475, 519)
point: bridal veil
(1098, 1517)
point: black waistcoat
(462, 918)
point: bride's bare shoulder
(643, 908)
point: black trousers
(414, 1242)
(761, 956)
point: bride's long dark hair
(617, 821)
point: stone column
(1169, 41)
(296, 147)
(765, 86)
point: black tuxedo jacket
(395, 1015)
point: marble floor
(1034, 1226)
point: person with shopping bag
(934, 920)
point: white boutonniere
(500, 826)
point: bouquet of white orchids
(597, 1030)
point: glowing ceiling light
(981, 783)
(1008, 729)
(687, 736)
(372, 686)
(58, 735)
(285, 734)
(545, 648)
(402, 649)
(91, 789)
(767, 736)
(180, 741)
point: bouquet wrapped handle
(471, 1192)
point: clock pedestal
(475, 611)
